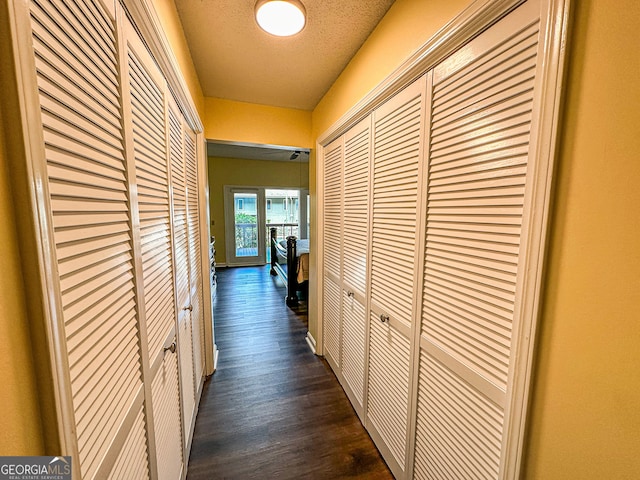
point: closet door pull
(350, 294)
(384, 318)
(171, 348)
(188, 307)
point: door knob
(171, 348)
(188, 307)
(384, 318)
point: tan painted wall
(170, 20)
(250, 123)
(247, 173)
(585, 420)
(585, 410)
(20, 422)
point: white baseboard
(311, 342)
(216, 354)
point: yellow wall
(27, 424)
(585, 417)
(247, 173)
(170, 20)
(585, 409)
(250, 123)
(20, 422)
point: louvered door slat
(397, 134)
(389, 388)
(152, 154)
(98, 122)
(503, 247)
(132, 461)
(332, 322)
(356, 208)
(454, 423)
(182, 263)
(398, 131)
(68, 15)
(66, 145)
(195, 256)
(478, 162)
(79, 130)
(154, 232)
(52, 71)
(77, 80)
(165, 394)
(354, 317)
(333, 207)
(333, 244)
(82, 164)
(78, 51)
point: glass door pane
(282, 211)
(244, 226)
(245, 211)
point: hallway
(273, 409)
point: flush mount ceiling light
(282, 18)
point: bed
(290, 261)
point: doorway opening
(250, 213)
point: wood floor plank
(273, 409)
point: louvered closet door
(481, 119)
(398, 137)
(77, 75)
(195, 256)
(354, 247)
(183, 290)
(332, 245)
(149, 138)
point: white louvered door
(183, 289)
(332, 241)
(355, 245)
(77, 76)
(150, 156)
(195, 259)
(397, 153)
(105, 220)
(483, 98)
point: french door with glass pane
(244, 216)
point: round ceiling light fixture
(282, 18)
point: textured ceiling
(257, 152)
(236, 60)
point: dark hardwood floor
(273, 410)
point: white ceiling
(236, 60)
